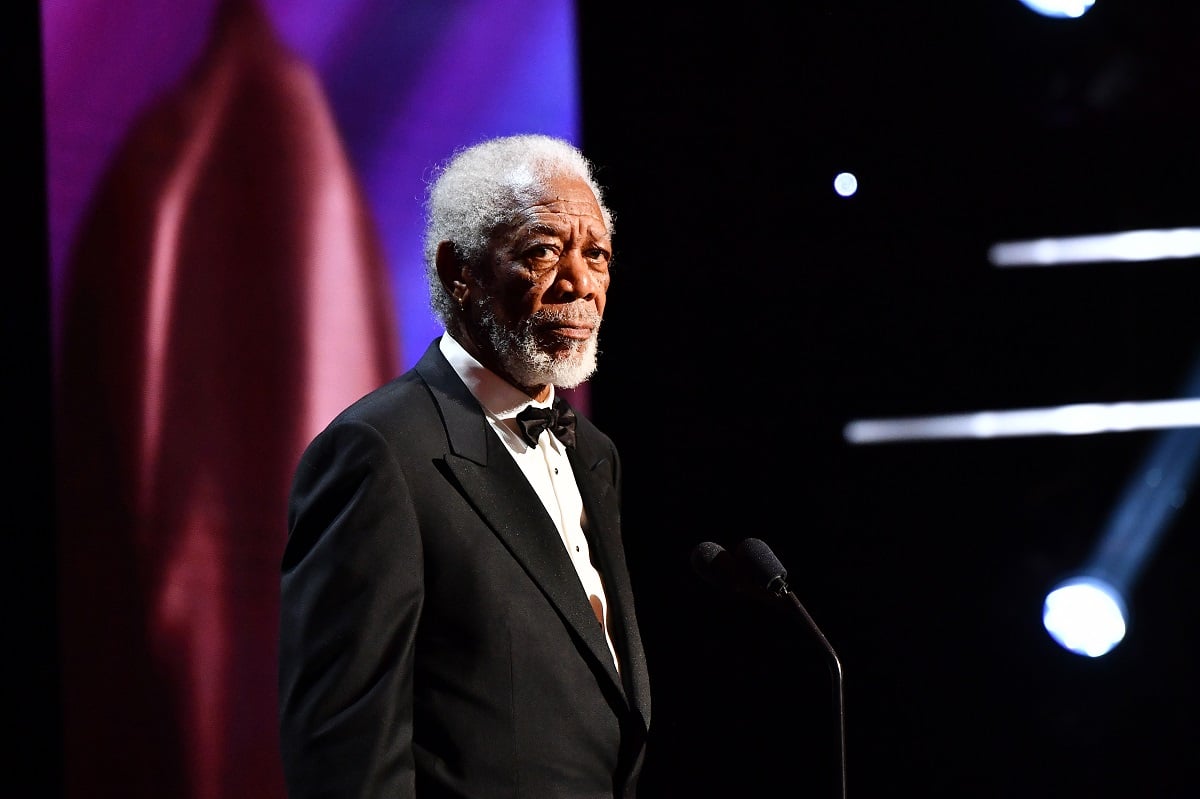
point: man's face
(543, 290)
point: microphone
(762, 567)
(714, 564)
(719, 567)
(753, 566)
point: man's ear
(452, 270)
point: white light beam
(1079, 419)
(1130, 245)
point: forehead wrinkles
(558, 218)
(561, 206)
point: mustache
(584, 314)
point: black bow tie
(558, 419)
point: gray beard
(518, 351)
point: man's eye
(597, 255)
(541, 252)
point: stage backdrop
(234, 209)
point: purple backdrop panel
(235, 215)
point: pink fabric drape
(225, 297)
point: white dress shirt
(545, 466)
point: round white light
(845, 184)
(1070, 9)
(1085, 615)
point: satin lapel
(499, 492)
(593, 474)
(504, 499)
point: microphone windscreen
(760, 563)
(721, 568)
(714, 564)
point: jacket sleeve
(351, 595)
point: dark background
(754, 313)
(29, 576)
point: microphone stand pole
(835, 672)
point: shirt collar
(499, 397)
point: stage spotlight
(1068, 9)
(845, 184)
(1085, 615)
(1085, 608)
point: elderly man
(457, 618)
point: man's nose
(576, 276)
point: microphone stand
(753, 564)
(835, 672)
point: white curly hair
(479, 187)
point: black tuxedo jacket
(435, 640)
